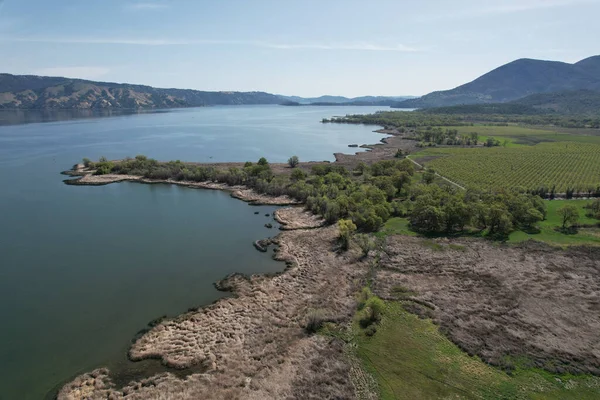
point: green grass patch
(396, 226)
(411, 359)
(549, 228)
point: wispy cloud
(356, 46)
(146, 6)
(75, 72)
(499, 8)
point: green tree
(499, 219)
(297, 175)
(293, 161)
(429, 176)
(457, 214)
(345, 227)
(263, 162)
(569, 215)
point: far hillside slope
(590, 65)
(40, 92)
(515, 80)
(568, 102)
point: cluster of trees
(449, 137)
(363, 199)
(365, 196)
(570, 193)
(466, 116)
(436, 209)
(593, 209)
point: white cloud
(74, 72)
(147, 6)
(357, 46)
(500, 8)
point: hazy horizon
(344, 48)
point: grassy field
(564, 164)
(549, 232)
(411, 359)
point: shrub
(365, 242)
(315, 320)
(376, 307)
(297, 175)
(87, 162)
(346, 227)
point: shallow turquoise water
(82, 269)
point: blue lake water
(82, 269)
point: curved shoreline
(240, 338)
(240, 192)
(313, 277)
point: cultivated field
(561, 164)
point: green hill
(516, 80)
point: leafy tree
(530, 217)
(345, 227)
(569, 215)
(457, 214)
(293, 161)
(426, 218)
(263, 162)
(499, 219)
(429, 176)
(87, 162)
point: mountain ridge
(514, 80)
(42, 92)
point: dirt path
(436, 174)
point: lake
(83, 269)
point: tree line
(367, 195)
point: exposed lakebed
(82, 269)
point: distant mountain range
(516, 80)
(363, 100)
(40, 92)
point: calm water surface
(82, 269)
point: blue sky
(306, 48)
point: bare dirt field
(498, 301)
